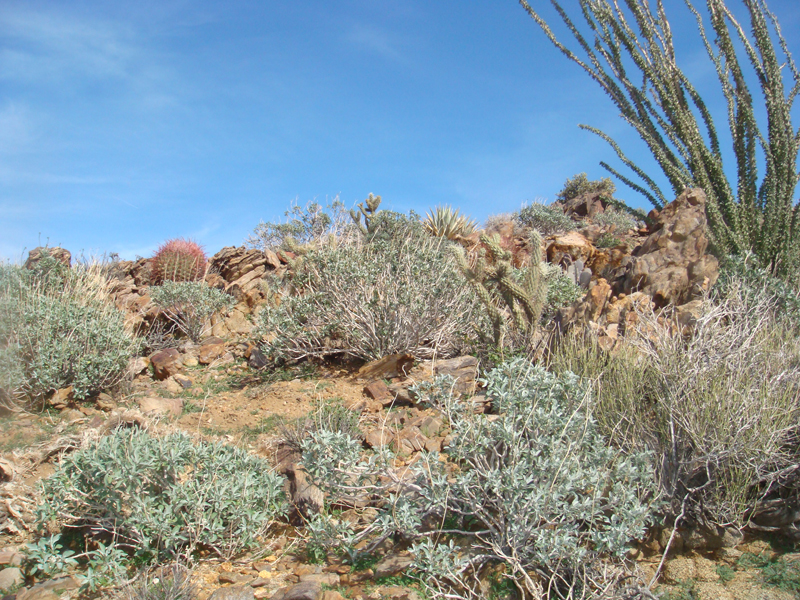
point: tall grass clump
(59, 328)
(394, 290)
(627, 48)
(719, 407)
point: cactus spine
(494, 278)
(368, 211)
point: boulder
(392, 565)
(234, 592)
(161, 406)
(306, 497)
(11, 578)
(394, 365)
(589, 205)
(166, 363)
(211, 350)
(573, 245)
(60, 254)
(62, 398)
(307, 590)
(463, 369)
(672, 266)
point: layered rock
(672, 266)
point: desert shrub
(562, 290)
(59, 327)
(163, 497)
(178, 260)
(622, 221)
(580, 184)
(719, 407)
(536, 489)
(330, 415)
(539, 486)
(448, 223)
(607, 240)
(189, 304)
(396, 290)
(547, 220)
(304, 225)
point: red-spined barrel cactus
(178, 260)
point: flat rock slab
(233, 592)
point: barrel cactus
(178, 260)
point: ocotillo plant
(369, 211)
(494, 280)
(627, 48)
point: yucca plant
(445, 222)
(628, 50)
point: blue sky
(123, 124)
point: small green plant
(607, 240)
(725, 573)
(547, 220)
(189, 305)
(48, 557)
(178, 260)
(163, 497)
(685, 590)
(621, 221)
(579, 184)
(445, 222)
(58, 328)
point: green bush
(535, 488)
(622, 221)
(607, 240)
(59, 327)
(397, 290)
(539, 485)
(304, 225)
(580, 184)
(562, 290)
(189, 304)
(164, 497)
(547, 220)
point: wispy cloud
(378, 41)
(55, 48)
(17, 130)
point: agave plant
(448, 223)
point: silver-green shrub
(163, 497)
(189, 304)
(59, 327)
(397, 290)
(535, 488)
(304, 225)
(540, 486)
(622, 221)
(547, 220)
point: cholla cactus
(493, 278)
(368, 211)
(448, 223)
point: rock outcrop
(672, 266)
